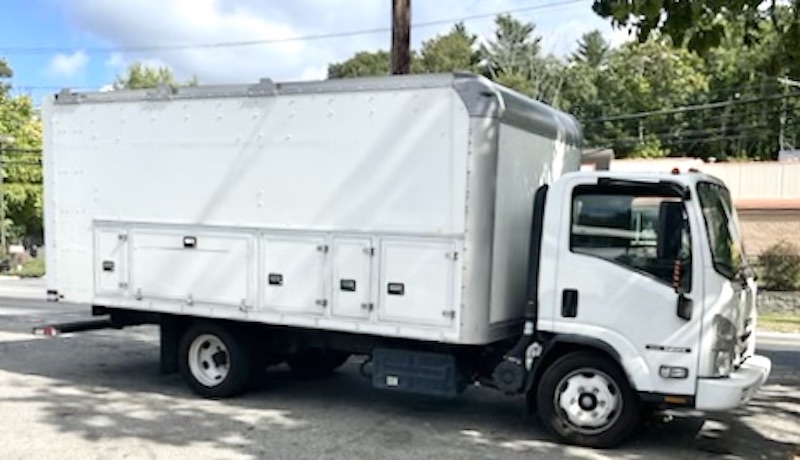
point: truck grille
(743, 347)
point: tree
(450, 52)
(5, 73)
(699, 24)
(139, 76)
(642, 78)
(646, 99)
(513, 49)
(21, 129)
(512, 58)
(444, 53)
(362, 64)
(592, 50)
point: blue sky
(83, 44)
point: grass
(33, 268)
(779, 322)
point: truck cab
(649, 271)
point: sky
(84, 44)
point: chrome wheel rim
(588, 401)
(208, 360)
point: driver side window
(641, 230)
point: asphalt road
(99, 395)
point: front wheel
(213, 361)
(585, 399)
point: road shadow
(106, 386)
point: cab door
(624, 276)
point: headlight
(723, 362)
(723, 348)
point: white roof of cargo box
(481, 97)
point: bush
(33, 268)
(780, 265)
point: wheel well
(560, 348)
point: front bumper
(720, 394)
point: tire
(213, 361)
(585, 399)
(316, 362)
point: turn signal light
(680, 400)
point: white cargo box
(396, 206)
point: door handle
(685, 307)
(569, 303)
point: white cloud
(127, 24)
(620, 36)
(68, 65)
(314, 73)
(116, 61)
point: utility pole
(3, 247)
(401, 37)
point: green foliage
(593, 50)
(513, 58)
(363, 64)
(33, 268)
(703, 24)
(513, 49)
(780, 266)
(21, 128)
(140, 76)
(5, 72)
(638, 78)
(454, 51)
(450, 52)
(696, 23)
(649, 148)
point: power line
(235, 44)
(21, 151)
(700, 135)
(693, 141)
(692, 108)
(709, 119)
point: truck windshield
(723, 229)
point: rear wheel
(316, 362)
(213, 361)
(585, 399)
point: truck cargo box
(397, 207)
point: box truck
(436, 225)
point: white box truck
(434, 224)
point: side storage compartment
(294, 272)
(418, 282)
(110, 261)
(193, 266)
(352, 259)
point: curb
(777, 335)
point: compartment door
(294, 268)
(352, 277)
(418, 282)
(110, 261)
(192, 265)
